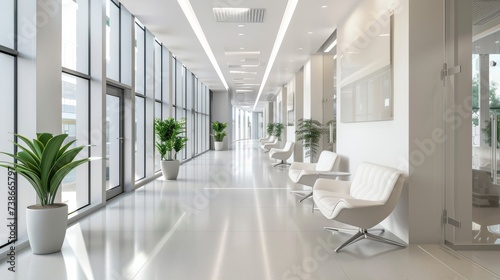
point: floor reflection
(485, 210)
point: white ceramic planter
(46, 226)
(218, 145)
(170, 169)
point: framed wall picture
(366, 86)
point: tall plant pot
(46, 226)
(170, 169)
(219, 145)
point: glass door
(472, 209)
(114, 142)
(485, 152)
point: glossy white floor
(228, 216)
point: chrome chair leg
(299, 193)
(363, 234)
(306, 197)
(281, 163)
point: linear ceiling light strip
(195, 25)
(285, 22)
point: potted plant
(219, 134)
(309, 131)
(278, 130)
(270, 129)
(44, 162)
(169, 142)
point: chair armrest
(334, 186)
(331, 174)
(324, 174)
(360, 203)
(303, 165)
(274, 150)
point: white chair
(282, 154)
(363, 203)
(269, 145)
(269, 138)
(307, 173)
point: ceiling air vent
(484, 11)
(243, 15)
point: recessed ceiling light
(242, 48)
(324, 6)
(241, 25)
(301, 48)
(310, 32)
(242, 72)
(241, 34)
(497, 42)
(242, 53)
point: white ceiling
(310, 27)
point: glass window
(179, 86)
(165, 82)
(112, 40)
(7, 12)
(139, 59)
(140, 138)
(158, 71)
(75, 122)
(7, 80)
(75, 35)
(158, 114)
(126, 63)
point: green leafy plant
(270, 129)
(309, 131)
(487, 132)
(278, 130)
(170, 137)
(219, 130)
(44, 162)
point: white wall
(384, 142)
(298, 153)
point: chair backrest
(271, 138)
(326, 161)
(288, 146)
(374, 182)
